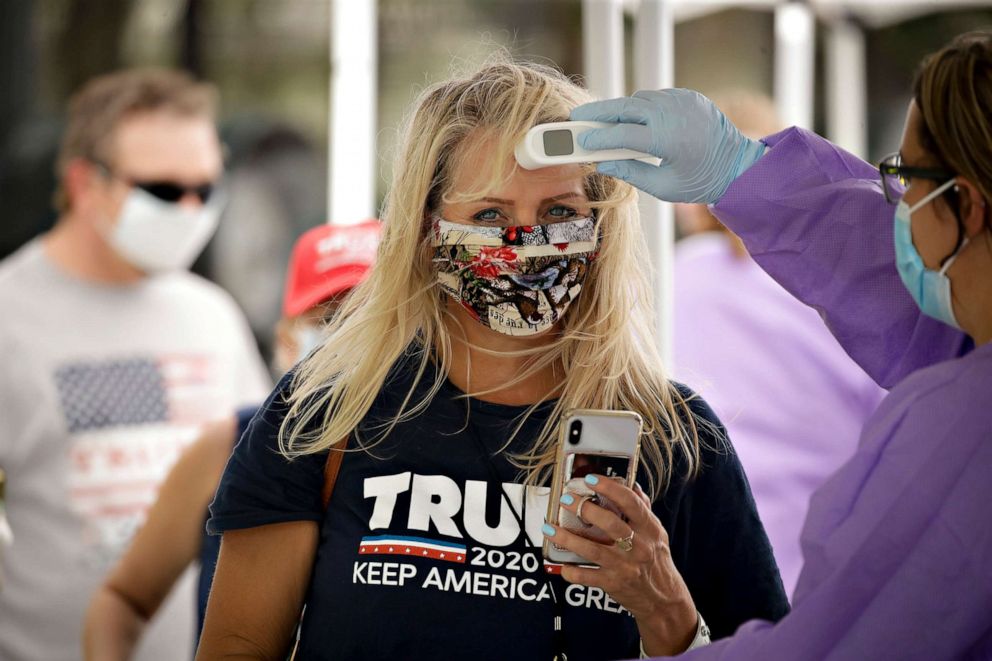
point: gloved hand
(701, 152)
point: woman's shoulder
(706, 463)
(286, 400)
(401, 373)
(697, 405)
(699, 419)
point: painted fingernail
(548, 531)
(592, 479)
(567, 499)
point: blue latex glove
(701, 152)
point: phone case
(607, 438)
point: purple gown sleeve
(815, 218)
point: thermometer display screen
(558, 142)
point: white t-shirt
(101, 387)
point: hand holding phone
(605, 443)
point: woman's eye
(559, 211)
(487, 215)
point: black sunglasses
(896, 176)
(167, 191)
(173, 192)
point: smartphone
(606, 443)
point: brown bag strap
(331, 469)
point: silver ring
(625, 543)
(578, 508)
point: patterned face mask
(514, 280)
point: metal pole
(847, 87)
(795, 43)
(602, 47)
(654, 68)
(351, 148)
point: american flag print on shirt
(112, 394)
(412, 546)
(128, 419)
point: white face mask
(306, 337)
(156, 236)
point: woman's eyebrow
(510, 203)
(563, 196)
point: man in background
(326, 263)
(792, 401)
(114, 355)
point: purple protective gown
(898, 543)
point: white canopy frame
(794, 78)
(351, 149)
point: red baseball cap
(328, 260)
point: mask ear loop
(950, 259)
(932, 195)
(962, 240)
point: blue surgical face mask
(930, 289)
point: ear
(973, 207)
(81, 181)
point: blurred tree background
(270, 60)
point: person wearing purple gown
(792, 401)
(898, 543)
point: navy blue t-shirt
(420, 558)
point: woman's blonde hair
(604, 349)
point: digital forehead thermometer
(557, 144)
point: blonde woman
(501, 298)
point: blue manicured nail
(567, 499)
(592, 479)
(549, 531)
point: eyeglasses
(896, 176)
(167, 191)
